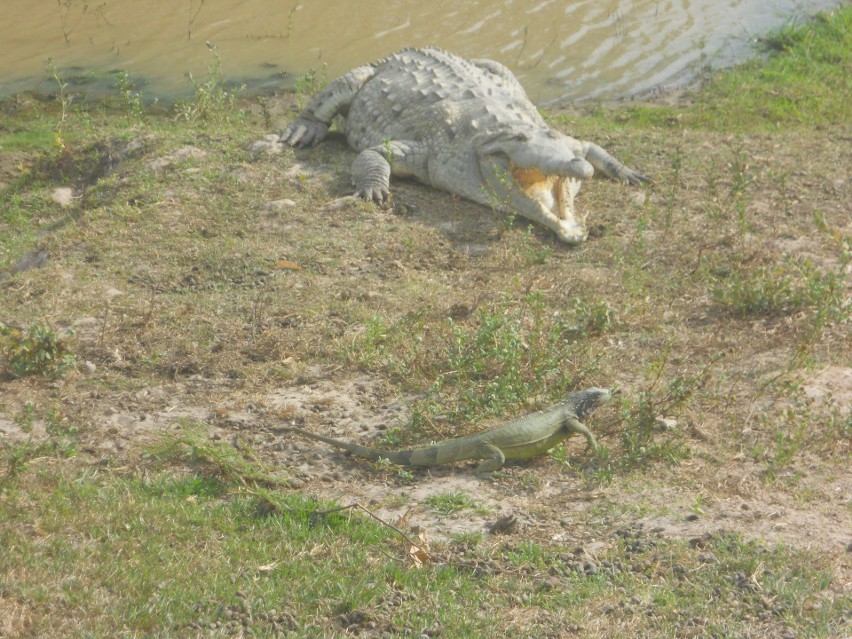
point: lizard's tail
(397, 457)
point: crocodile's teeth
(547, 190)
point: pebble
(63, 196)
(279, 205)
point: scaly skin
(521, 438)
(463, 126)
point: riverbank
(172, 301)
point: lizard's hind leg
(492, 460)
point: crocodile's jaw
(547, 199)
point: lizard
(522, 438)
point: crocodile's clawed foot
(304, 133)
(634, 178)
(377, 195)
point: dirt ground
(319, 265)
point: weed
(673, 185)
(291, 19)
(508, 354)
(37, 350)
(131, 100)
(309, 84)
(66, 9)
(211, 98)
(192, 445)
(641, 416)
(593, 318)
(446, 504)
(741, 178)
(532, 252)
(783, 289)
(64, 104)
(193, 16)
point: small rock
(269, 145)
(89, 367)
(183, 153)
(279, 205)
(692, 517)
(113, 292)
(666, 423)
(339, 203)
(63, 196)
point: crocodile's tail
(401, 458)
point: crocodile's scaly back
(464, 126)
(416, 90)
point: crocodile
(463, 126)
(521, 438)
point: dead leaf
(419, 557)
(288, 264)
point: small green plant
(500, 201)
(24, 420)
(131, 100)
(781, 290)
(64, 104)
(531, 252)
(386, 143)
(291, 19)
(211, 97)
(310, 83)
(37, 350)
(641, 416)
(446, 504)
(233, 462)
(593, 318)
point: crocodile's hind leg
(312, 124)
(372, 168)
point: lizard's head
(535, 172)
(584, 402)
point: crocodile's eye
(522, 137)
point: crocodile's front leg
(610, 167)
(372, 168)
(313, 122)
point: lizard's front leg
(576, 426)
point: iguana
(521, 438)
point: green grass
(97, 552)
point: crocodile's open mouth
(547, 190)
(541, 195)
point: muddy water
(563, 50)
